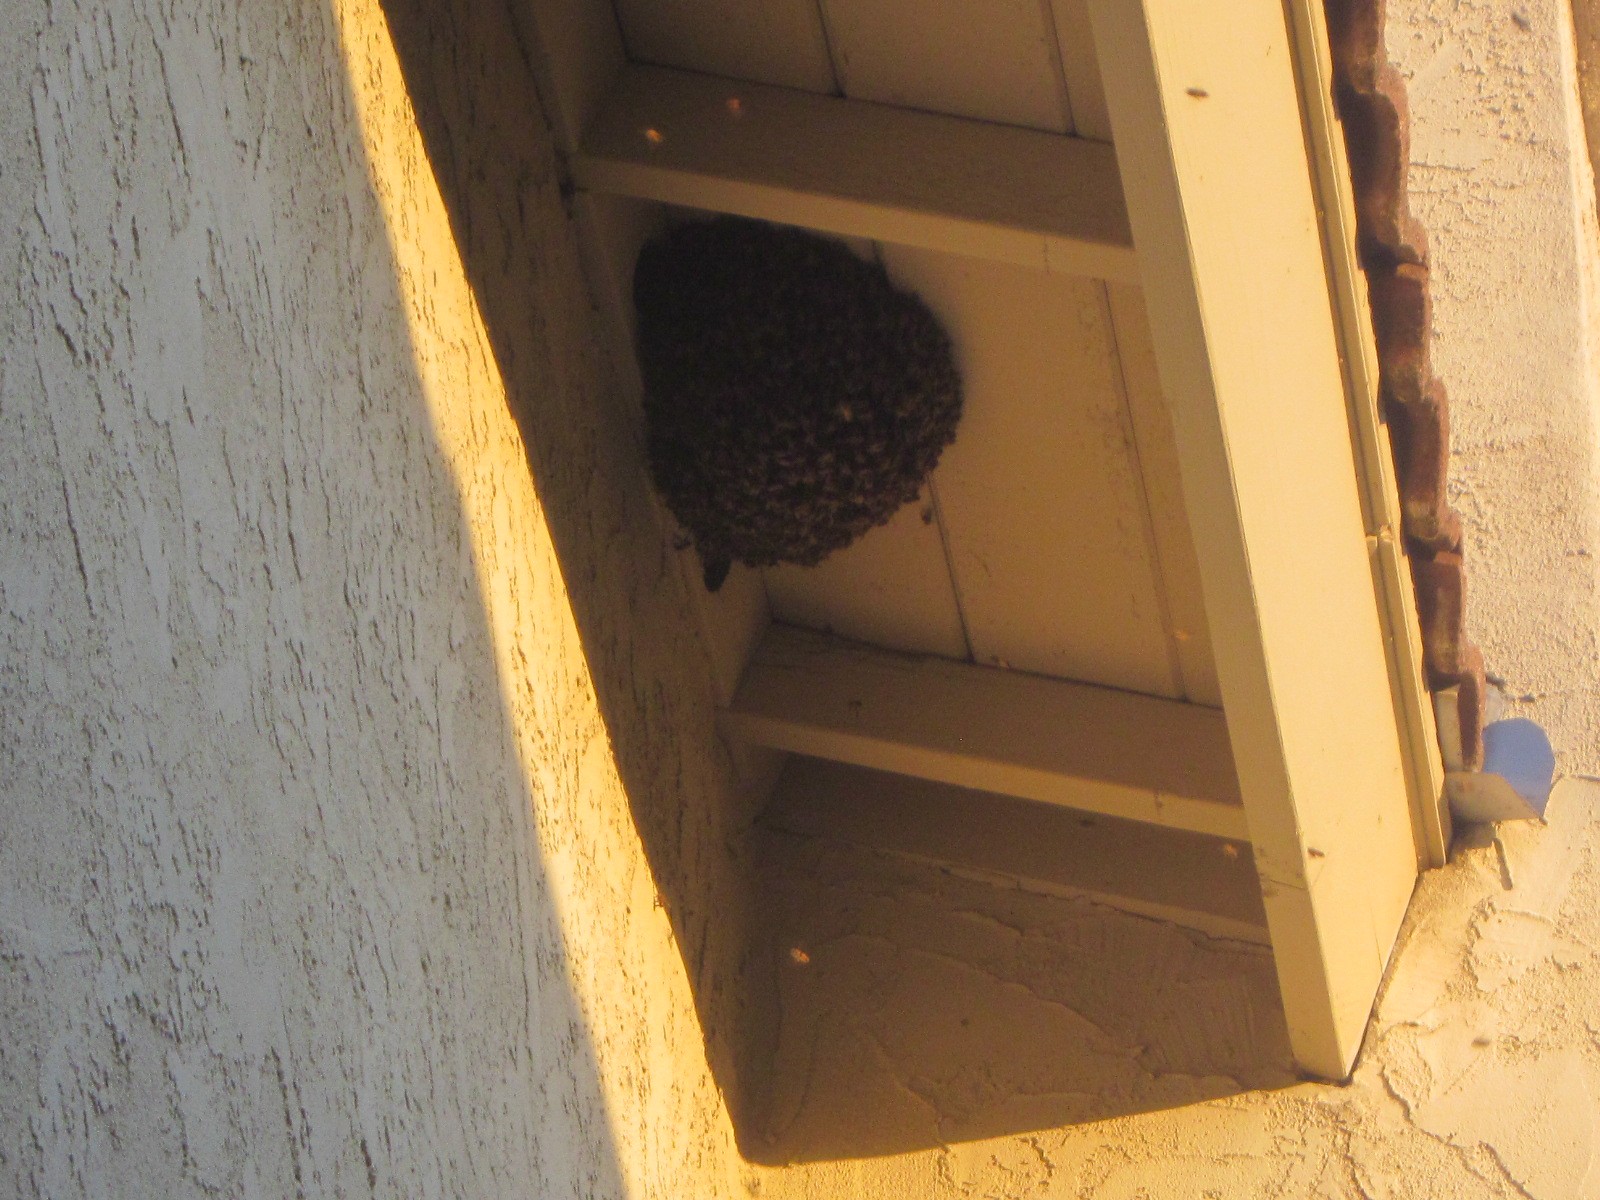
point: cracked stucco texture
(318, 874)
(1478, 1077)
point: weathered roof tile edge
(1371, 98)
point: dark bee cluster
(794, 397)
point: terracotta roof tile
(1393, 247)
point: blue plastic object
(1519, 769)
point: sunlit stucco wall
(1500, 178)
(317, 876)
(317, 872)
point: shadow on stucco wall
(1050, 1035)
(472, 87)
(933, 1009)
(277, 910)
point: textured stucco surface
(1586, 25)
(1500, 179)
(921, 1007)
(354, 841)
(317, 873)
(1479, 1076)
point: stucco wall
(317, 873)
(1500, 178)
(354, 841)
(1479, 1078)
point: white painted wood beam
(1207, 120)
(1137, 757)
(848, 167)
(1374, 458)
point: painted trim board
(1137, 757)
(849, 167)
(1397, 605)
(1216, 163)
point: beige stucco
(353, 841)
(1478, 1078)
(317, 874)
(1500, 179)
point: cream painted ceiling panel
(766, 41)
(993, 60)
(1078, 63)
(892, 588)
(1163, 489)
(1049, 536)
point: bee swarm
(794, 397)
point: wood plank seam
(1147, 528)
